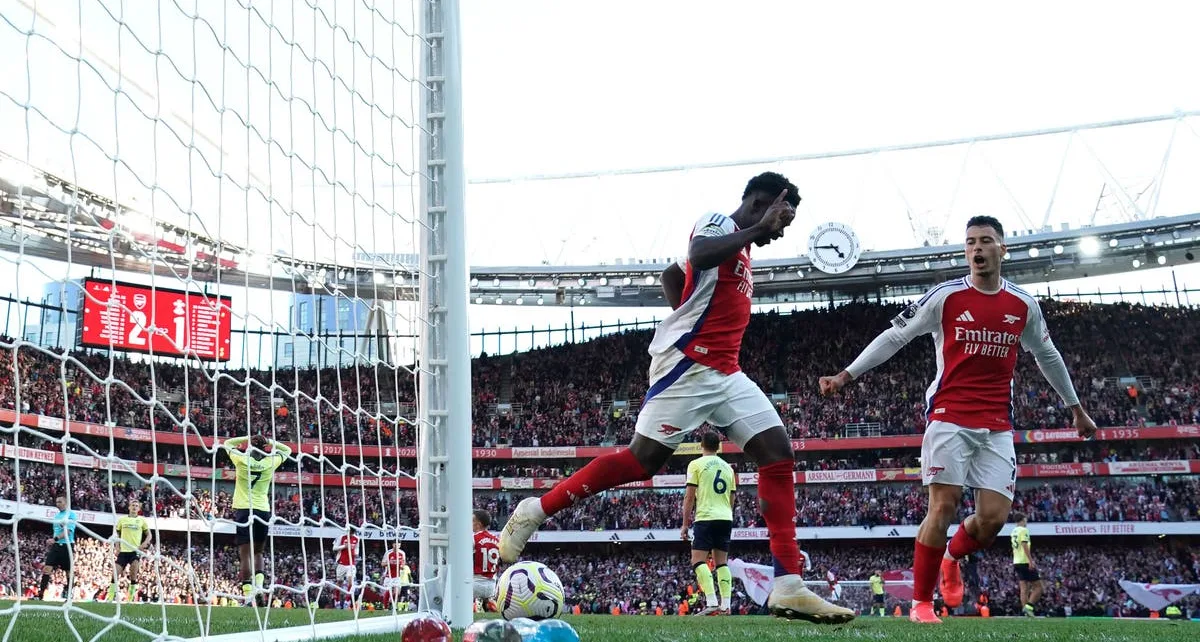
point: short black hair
(710, 441)
(1018, 516)
(987, 221)
(772, 183)
(484, 517)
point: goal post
(444, 464)
(256, 211)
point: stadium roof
(42, 215)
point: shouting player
(710, 486)
(134, 535)
(396, 573)
(346, 549)
(695, 378)
(977, 323)
(487, 558)
(252, 502)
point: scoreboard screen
(137, 318)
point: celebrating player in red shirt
(977, 323)
(346, 550)
(487, 558)
(396, 573)
(695, 378)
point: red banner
(577, 452)
(138, 318)
(868, 475)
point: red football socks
(777, 501)
(927, 563)
(962, 544)
(598, 476)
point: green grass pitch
(52, 626)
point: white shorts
(393, 582)
(484, 588)
(690, 395)
(975, 457)
(346, 573)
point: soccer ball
(529, 589)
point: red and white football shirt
(394, 563)
(348, 555)
(487, 554)
(975, 338)
(711, 319)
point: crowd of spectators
(1081, 575)
(1119, 499)
(181, 569)
(881, 504)
(897, 504)
(561, 396)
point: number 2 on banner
(137, 335)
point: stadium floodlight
(1090, 246)
(604, 280)
(1058, 249)
(499, 300)
(474, 283)
(627, 281)
(649, 279)
(541, 300)
(1113, 242)
(1033, 252)
(496, 282)
(379, 278)
(582, 282)
(1162, 259)
(1137, 264)
(520, 300)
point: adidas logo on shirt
(966, 317)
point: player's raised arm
(231, 447)
(915, 320)
(281, 449)
(714, 243)
(673, 280)
(1036, 339)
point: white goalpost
(226, 222)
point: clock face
(833, 248)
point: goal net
(234, 350)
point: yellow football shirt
(132, 530)
(252, 485)
(876, 585)
(715, 482)
(1020, 535)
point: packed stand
(561, 395)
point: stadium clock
(833, 248)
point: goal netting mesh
(211, 217)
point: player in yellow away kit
(710, 485)
(1028, 578)
(255, 470)
(133, 533)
